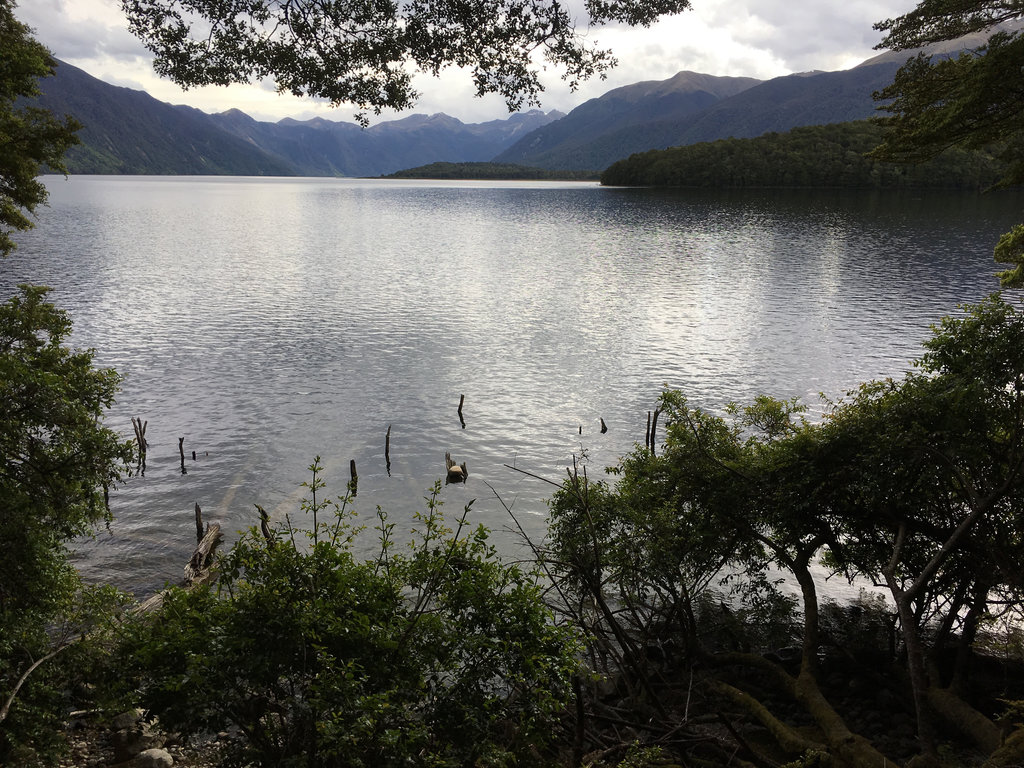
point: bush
(438, 654)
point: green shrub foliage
(437, 654)
(56, 463)
(914, 485)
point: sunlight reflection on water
(271, 320)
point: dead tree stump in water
(457, 473)
(265, 527)
(353, 484)
(199, 523)
(604, 427)
(462, 399)
(140, 439)
(387, 450)
(181, 452)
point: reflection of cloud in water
(271, 321)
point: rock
(126, 720)
(153, 758)
(132, 741)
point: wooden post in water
(354, 482)
(387, 450)
(199, 523)
(265, 527)
(181, 452)
(462, 399)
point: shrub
(438, 654)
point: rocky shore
(128, 741)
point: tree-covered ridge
(496, 171)
(833, 155)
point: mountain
(689, 108)
(321, 147)
(129, 132)
(809, 98)
(568, 142)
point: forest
(496, 171)
(836, 155)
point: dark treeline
(502, 171)
(833, 155)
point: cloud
(750, 38)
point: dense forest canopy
(503, 171)
(835, 155)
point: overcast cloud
(750, 38)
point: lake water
(268, 321)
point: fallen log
(199, 570)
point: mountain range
(128, 132)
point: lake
(268, 321)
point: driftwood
(457, 473)
(198, 569)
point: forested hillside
(125, 131)
(813, 98)
(570, 141)
(490, 171)
(833, 155)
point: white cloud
(751, 38)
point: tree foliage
(912, 485)
(57, 462)
(436, 654)
(502, 171)
(835, 155)
(30, 137)
(363, 52)
(974, 99)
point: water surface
(268, 321)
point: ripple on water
(270, 321)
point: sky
(748, 38)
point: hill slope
(568, 142)
(833, 155)
(815, 98)
(129, 132)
